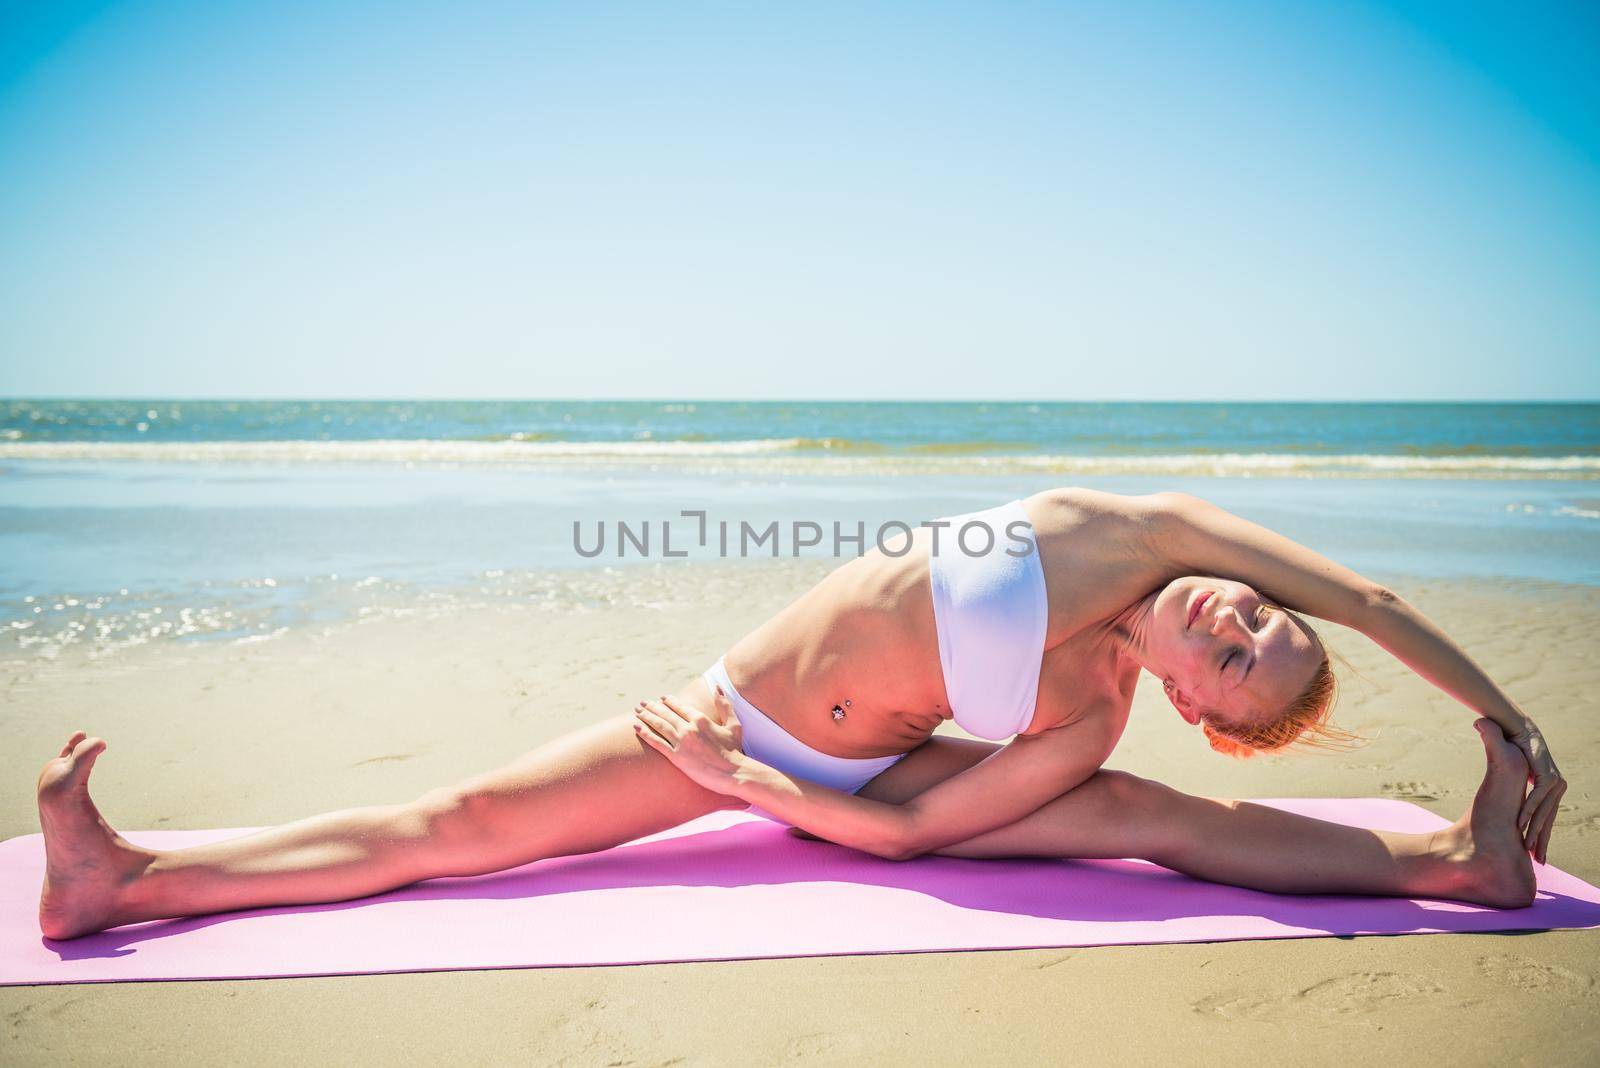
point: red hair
(1305, 721)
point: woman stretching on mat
(1028, 622)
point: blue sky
(864, 200)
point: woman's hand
(705, 747)
(1538, 813)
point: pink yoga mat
(734, 886)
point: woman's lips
(1197, 608)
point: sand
(381, 710)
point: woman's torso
(866, 634)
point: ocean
(126, 522)
(1389, 440)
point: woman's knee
(1126, 794)
(451, 814)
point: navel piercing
(838, 710)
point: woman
(1033, 620)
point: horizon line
(344, 399)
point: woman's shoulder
(1100, 551)
(1078, 505)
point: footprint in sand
(1413, 791)
(1528, 974)
(808, 1046)
(1591, 825)
(1340, 998)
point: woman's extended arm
(1012, 783)
(1205, 539)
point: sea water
(126, 522)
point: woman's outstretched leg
(584, 792)
(1479, 858)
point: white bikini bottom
(772, 745)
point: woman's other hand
(1538, 815)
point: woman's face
(1227, 654)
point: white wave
(386, 451)
(801, 455)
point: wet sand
(236, 735)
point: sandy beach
(226, 734)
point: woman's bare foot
(1487, 862)
(87, 864)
